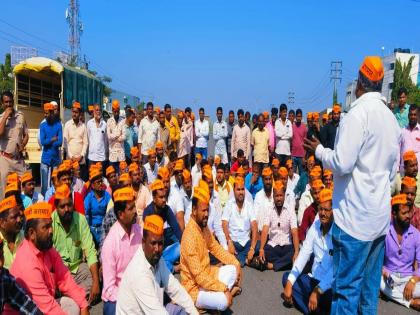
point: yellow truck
(40, 80)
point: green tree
(402, 79)
(6, 75)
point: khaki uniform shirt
(14, 132)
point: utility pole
(335, 76)
(75, 30)
(291, 98)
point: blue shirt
(49, 193)
(167, 216)
(131, 139)
(26, 201)
(51, 153)
(95, 209)
(254, 188)
(301, 184)
(402, 117)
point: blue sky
(229, 53)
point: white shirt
(163, 162)
(262, 204)
(305, 201)
(280, 226)
(215, 219)
(151, 174)
(322, 248)
(202, 133)
(363, 164)
(292, 182)
(195, 175)
(187, 202)
(98, 140)
(284, 134)
(175, 202)
(239, 222)
(149, 134)
(142, 286)
(220, 134)
(290, 199)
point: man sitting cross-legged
(210, 287)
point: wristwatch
(413, 281)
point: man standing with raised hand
(363, 174)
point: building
(350, 95)
(124, 99)
(403, 55)
(20, 53)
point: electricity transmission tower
(75, 30)
(335, 76)
(291, 98)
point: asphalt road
(261, 295)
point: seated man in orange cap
(327, 178)
(48, 274)
(11, 223)
(161, 157)
(400, 277)
(264, 198)
(279, 236)
(120, 245)
(13, 187)
(312, 292)
(146, 278)
(409, 187)
(151, 166)
(28, 188)
(77, 182)
(210, 287)
(173, 233)
(74, 242)
(312, 210)
(293, 178)
(176, 181)
(306, 199)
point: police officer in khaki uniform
(13, 139)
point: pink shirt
(272, 134)
(40, 274)
(299, 133)
(410, 141)
(117, 251)
(241, 139)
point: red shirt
(40, 273)
(307, 220)
(78, 203)
(415, 220)
(299, 133)
(234, 167)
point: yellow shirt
(174, 131)
(196, 271)
(260, 141)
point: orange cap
(75, 165)
(62, 192)
(159, 145)
(201, 194)
(265, 115)
(179, 165)
(315, 115)
(90, 108)
(124, 194)
(12, 178)
(163, 172)
(157, 185)
(123, 165)
(109, 170)
(409, 181)
(124, 177)
(26, 177)
(207, 173)
(203, 185)
(154, 224)
(317, 168)
(325, 195)
(317, 183)
(77, 105)
(48, 106)
(283, 171)
(325, 117)
(400, 199)
(275, 162)
(372, 68)
(133, 167)
(180, 115)
(198, 156)
(267, 172)
(327, 172)
(289, 163)
(157, 109)
(278, 185)
(8, 203)
(186, 174)
(409, 156)
(336, 109)
(151, 152)
(217, 159)
(115, 104)
(240, 171)
(39, 210)
(54, 173)
(309, 115)
(94, 173)
(315, 173)
(134, 151)
(239, 181)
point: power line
(336, 74)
